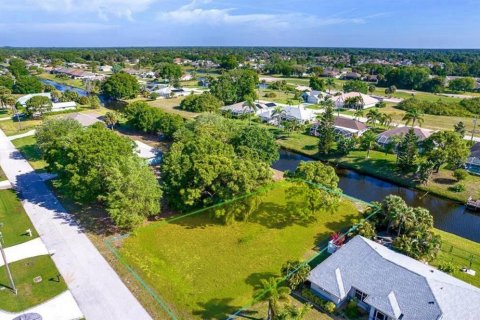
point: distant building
(62, 106)
(353, 76)
(384, 138)
(23, 100)
(344, 126)
(365, 100)
(389, 285)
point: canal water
(63, 87)
(448, 215)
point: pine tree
(326, 133)
(408, 151)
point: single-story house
(371, 78)
(389, 285)
(105, 68)
(330, 73)
(313, 96)
(384, 138)
(241, 108)
(473, 161)
(347, 127)
(367, 101)
(61, 106)
(353, 76)
(23, 100)
(299, 113)
(186, 77)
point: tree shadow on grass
(220, 309)
(255, 279)
(444, 181)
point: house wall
(324, 294)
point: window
(379, 316)
(360, 295)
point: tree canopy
(38, 105)
(27, 84)
(205, 102)
(355, 86)
(121, 85)
(235, 86)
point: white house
(345, 126)
(23, 100)
(186, 77)
(299, 113)
(313, 96)
(241, 108)
(366, 100)
(105, 68)
(389, 285)
(62, 106)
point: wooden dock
(473, 204)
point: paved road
(96, 287)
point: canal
(63, 87)
(448, 215)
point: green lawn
(459, 251)
(383, 166)
(27, 146)
(11, 128)
(70, 82)
(216, 268)
(15, 220)
(30, 293)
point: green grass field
(15, 220)
(70, 82)
(29, 292)
(459, 251)
(216, 268)
(27, 146)
(11, 128)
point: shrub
(327, 306)
(153, 96)
(84, 101)
(460, 174)
(352, 309)
(270, 95)
(460, 187)
(447, 267)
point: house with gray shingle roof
(390, 285)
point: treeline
(463, 108)
(95, 164)
(143, 117)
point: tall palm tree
(368, 141)
(273, 292)
(277, 114)
(386, 119)
(330, 83)
(358, 114)
(252, 107)
(413, 115)
(373, 116)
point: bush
(270, 95)
(460, 174)
(84, 101)
(206, 102)
(457, 188)
(447, 267)
(153, 96)
(352, 309)
(327, 306)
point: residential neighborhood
(218, 161)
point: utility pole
(474, 127)
(7, 268)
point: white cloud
(103, 8)
(192, 13)
(79, 27)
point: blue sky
(337, 23)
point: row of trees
(95, 164)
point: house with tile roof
(390, 285)
(385, 137)
(347, 127)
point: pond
(448, 215)
(64, 87)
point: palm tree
(251, 107)
(358, 114)
(273, 292)
(413, 115)
(330, 83)
(373, 116)
(277, 114)
(386, 119)
(291, 312)
(111, 119)
(368, 141)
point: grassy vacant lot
(170, 106)
(459, 251)
(383, 166)
(27, 146)
(15, 220)
(217, 267)
(30, 293)
(11, 127)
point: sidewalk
(25, 250)
(99, 292)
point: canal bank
(449, 215)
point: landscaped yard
(29, 292)
(14, 219)
(216, 268)
(459, 251)
(27, 146)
